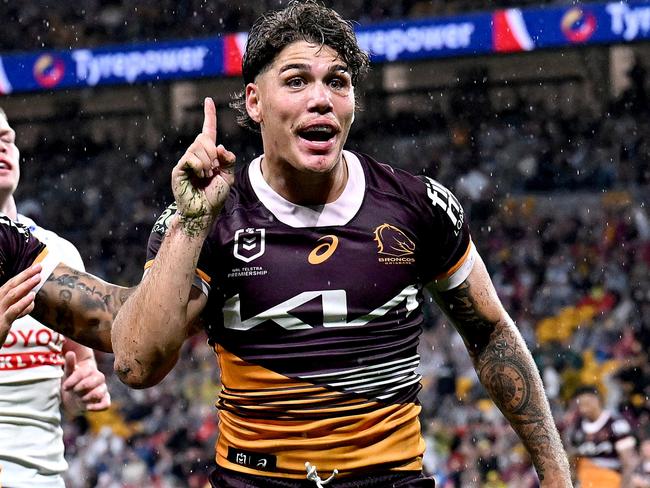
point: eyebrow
(307, 67)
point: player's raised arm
(506, 370)
(153, 324)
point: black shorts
(225, 478)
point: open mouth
(4, 166)
(317, 133)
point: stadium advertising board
(137, 63)
(501, 31)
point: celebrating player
(307, 268)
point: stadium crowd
(61, 25)
(557, 203)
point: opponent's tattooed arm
(507, 371)
(80, 306)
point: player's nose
(320, 98)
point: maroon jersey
(600, 441)
(315, 315)
(19, 249)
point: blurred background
(536, 114)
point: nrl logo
(394, 244)
(249, 244)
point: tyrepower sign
(499, 31)
(139, 63)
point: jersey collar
(336, 213)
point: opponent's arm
(507, 371)
(155, 322)
(79, 306)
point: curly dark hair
(308, 21)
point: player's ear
(253, 102)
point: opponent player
(602, 443)
(308, 268)
(33, 382)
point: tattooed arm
(155, 322)
(507, 371)
(79, 306)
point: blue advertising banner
(501, 31)
(445, 37)
(136, 63)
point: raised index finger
(210, 119)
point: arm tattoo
(508, 373)
(80, 306)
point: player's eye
(339, 82)
(295, 82)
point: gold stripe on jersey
(331, 429)
(41, 256)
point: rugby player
(307, 268)
(603, 446)
(40, 370)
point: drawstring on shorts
(312, 475)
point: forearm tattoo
(80, 306)
(507, 371)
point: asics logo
(324, 251)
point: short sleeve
(448, 253)
(19, 249)
(201, 279)
(623, 436)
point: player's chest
(371, 253)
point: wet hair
(587, 390)
(307, 21)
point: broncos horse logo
(391, 241)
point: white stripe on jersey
(460, 275)
(372, 379)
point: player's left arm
(80, 306)
(506, 369)
(626, 449)
(83, 387)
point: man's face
(304, 102)
(9, 157)
(589, 406)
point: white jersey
(31, 360)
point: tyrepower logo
(48, 70)
(578, 25)
(393, 245)
(94, 67)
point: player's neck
(8, 206)
(304, 188)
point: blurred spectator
(602, 444)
